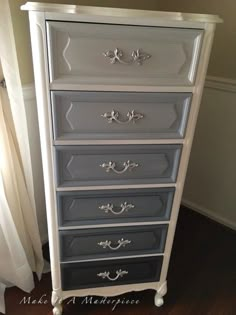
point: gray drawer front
(117, 241)
(97, 274)
(103, 115)
(82, 53)
(115, 206)
(114, 165)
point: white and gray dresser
(118, 93)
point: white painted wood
(104, 142)
(204, 59)
(111, 225)
(114, 187)
(112, 258)
(124, 88)
(38, 38)
(113, 12)
(56, 301)
(127, 19)
(77, 54)
(162, 290)
(29, 92)
(158, 300)
(111, 291)
(37, 28)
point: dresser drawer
(113, 242)
(118, 115)
(116, 164)
(110, 272)
(114, 206)
(105, 54)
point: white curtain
(20, 244)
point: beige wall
(211, 179)
(222, 62)
(210, 185)
(22, 39)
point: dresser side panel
(196, 100)
(39, 50)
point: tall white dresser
(118, 93)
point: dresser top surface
(117, 12)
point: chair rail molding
(29, 92)
(220, 83)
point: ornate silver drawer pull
(113, 116)
(138, 56)
(111, 166)
(120, 243)
(106, 274)
(110, 207)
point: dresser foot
(57, 310)
(57, 303)
(158, 299)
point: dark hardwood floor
(201, 278)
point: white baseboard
(209, 213)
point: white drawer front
(103, 54)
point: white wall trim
(209, 213)
(29, 96)
(219, 83)
(212, 82)
(29, 91)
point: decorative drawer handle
(111, 166)
(110, 207)
(106, 274)
(138, 56)
(121, 242)
(114, 116)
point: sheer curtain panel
(20, 244)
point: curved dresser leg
(158, 299)
(57, 303)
